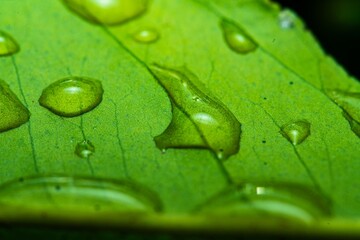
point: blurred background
(336, 24)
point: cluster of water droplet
(199, 119)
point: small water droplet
(108, 12)
(79, 194)
(286, 19)
(296, 132)
(84, 149)
(72, 96)
(350, 103)
(283, 201)
(8, 45)
(146, 36)
(236, 38)
(199, 120)
(12, 112)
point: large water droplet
(146, 36)
(56, 194)
(8, 45)
(284, 201)
(84, 149)
(12, 112)
(72, 96)
(350, 103)
(107, 12)
(236, 38)
(296, 132)
(199, 120)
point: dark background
(336, 24)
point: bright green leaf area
(284, 80)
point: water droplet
(72, 96)
(201, 123)
(12, 112)
(296, 132)
(286, 19)
(350, 103)
(236, 38)
(84, 149)
(146, 36)
(355, 125)
(285, 201)
(79, 194)
(8, 45)
(108, 12)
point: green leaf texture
(286, 79)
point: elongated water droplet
(236, 38)
(199, 120)
(296, 132)
(72, 96)
(78, 194)
(146, 36)
(350, 103)
(84, 149)
(284, 201)
(107, 12)
(8, 45)
(12, 112)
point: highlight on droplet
(8, 45)
(146, 35)
(296, 132)
(55, 194)
(236, 38)
(268, 201)
(108, 12)
(84, 149)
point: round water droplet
(12, 112)
(146, 36)
(84, 149)
(284, 201)
(107, 12)
(72, 96)
(286, 19)
(296, 132)
(78, 194)
(236, 38)
(8, 45)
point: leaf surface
(285, 79)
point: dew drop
(146, 36)
(199, 120)
(79, 194)
(236, 38)
(72, 96)
(108, 12)
(274, 201)
(8, 45)
(296, 132)
(350, 103)
(12, 112)
(286, 19)
(84, 149)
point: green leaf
(285, 78)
